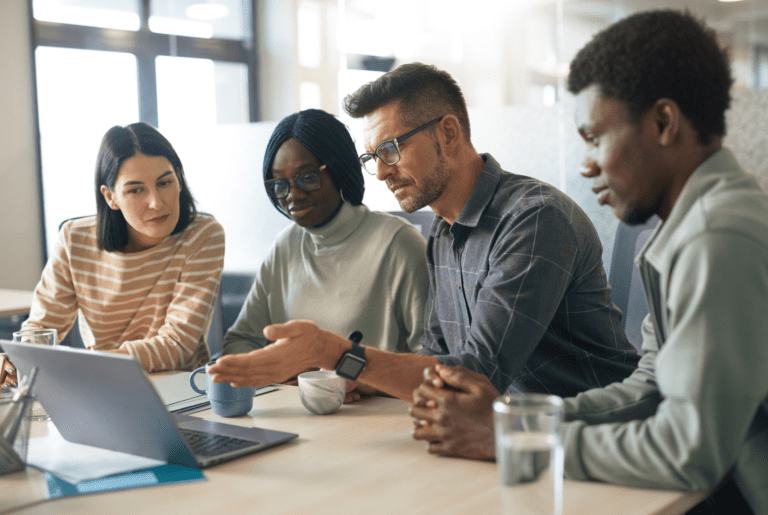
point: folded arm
(710, 373)
(635, 398)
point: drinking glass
(529, 453)
(40, 337)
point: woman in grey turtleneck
(339, 264)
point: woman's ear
(109, 197)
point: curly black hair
(659, 54)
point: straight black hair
(118, 145)
(329, 141)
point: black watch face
(350, 366)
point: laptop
(106, 400)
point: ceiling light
(207, 11)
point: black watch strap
(352, 362)
(358, 350)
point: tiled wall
(747, 136)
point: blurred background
(215, 76)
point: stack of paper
(73, 468)
(74, 462)
(178, 396)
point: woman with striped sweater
(143, 274)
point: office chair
(216, 331)
(627, 290)
(233, 291)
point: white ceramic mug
(322, 391)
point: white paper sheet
(74, 462)
(175, 388)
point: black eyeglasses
(389, 151)
(306, 181)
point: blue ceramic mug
(226, 400)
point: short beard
(433, 185)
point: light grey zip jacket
(696, 409)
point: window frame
(146, 46)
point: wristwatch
(352, 362)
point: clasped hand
(452, 410)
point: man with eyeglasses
(517, 287)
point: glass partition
(109, 14)
(511, 60)
(200, 92)
(229, 19)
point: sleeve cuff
(571, 438)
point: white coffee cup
(322, 391)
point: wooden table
(15, 302)
(358, 460)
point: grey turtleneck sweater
(362, 271)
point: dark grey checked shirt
(518, 291)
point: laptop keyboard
(208, 445)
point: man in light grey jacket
(651, 94)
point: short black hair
(659, 54)
(118, 145)
(329, 141)
(423, 91)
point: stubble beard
(433, 186)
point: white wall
(223, 165)
(276, 47)
(21, 258)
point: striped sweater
(156, 304)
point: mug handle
(192, 380)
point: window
(70, 80)
(101, 63)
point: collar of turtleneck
(347, 219)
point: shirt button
(459, 248)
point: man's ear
(451, 130)
(668, 119)
(109, 197)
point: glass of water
(529, 453)
(39, 337)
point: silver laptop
(106, 400)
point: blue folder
(160, 475)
